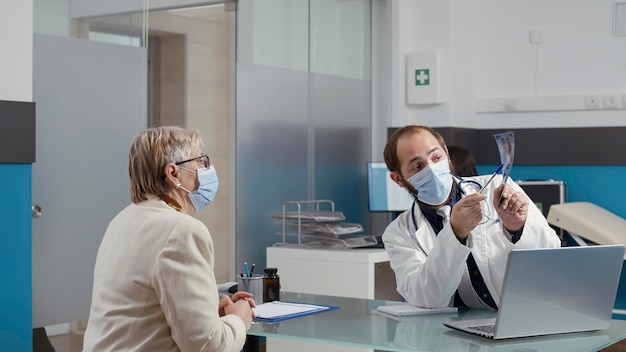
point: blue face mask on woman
(433, 183)
(204, 195)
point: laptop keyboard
(488, 329)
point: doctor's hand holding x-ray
(512, 208)
(452, 245)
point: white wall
(420, 25)
(16, 61)
(486, 53)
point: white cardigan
(429, 267)
(154, 286)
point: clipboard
(278, 310)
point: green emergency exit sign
(422, 77)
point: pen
(252, 269)
(491, 178)
(245, 266)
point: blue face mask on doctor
(204, 195)
(433, 183)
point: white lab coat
(429, 267)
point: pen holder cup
(253, 284)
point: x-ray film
(506, 147)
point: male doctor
(451, 247)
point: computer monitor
(384, 194)
(544, 193)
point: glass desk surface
(356, 323)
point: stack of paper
(403, 310)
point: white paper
(279, 309)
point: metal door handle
(36, 210)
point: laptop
(552, 291)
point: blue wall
(15, 258)
(601, 185)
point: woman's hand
(241, 306)
(239, 295)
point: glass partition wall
(91, 101)
(181, 76)
(303, 112)
(280, 90)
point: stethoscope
(467, 186)
(464, 185)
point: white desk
(357, 273)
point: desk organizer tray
(335, 229)
(310, 225)
(317, 216)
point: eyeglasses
(203, 160)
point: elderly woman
(154, 287)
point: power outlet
(592, 102)
(609, 102)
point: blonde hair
(150, 151)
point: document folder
(277, 310)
